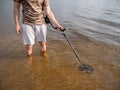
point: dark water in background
(99, 19)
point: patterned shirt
(32, 11)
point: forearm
(16, 13)
(52, 17)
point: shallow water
(89, 22)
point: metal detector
(83, 67)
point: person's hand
(18, 29)
(59, 27)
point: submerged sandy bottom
(59, 71)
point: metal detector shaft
(72, 48)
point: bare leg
(43, 48)
(29, 50)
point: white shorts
(30, 31)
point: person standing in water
(33, 24)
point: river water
(98, 19)
(94, 31)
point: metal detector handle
(62, 30)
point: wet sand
(59, 71)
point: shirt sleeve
(18, 1)
(46, 2)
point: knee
(29, 47)
(42, 44)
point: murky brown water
(59, 71)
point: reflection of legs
(43, 48)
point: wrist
(17, 24)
